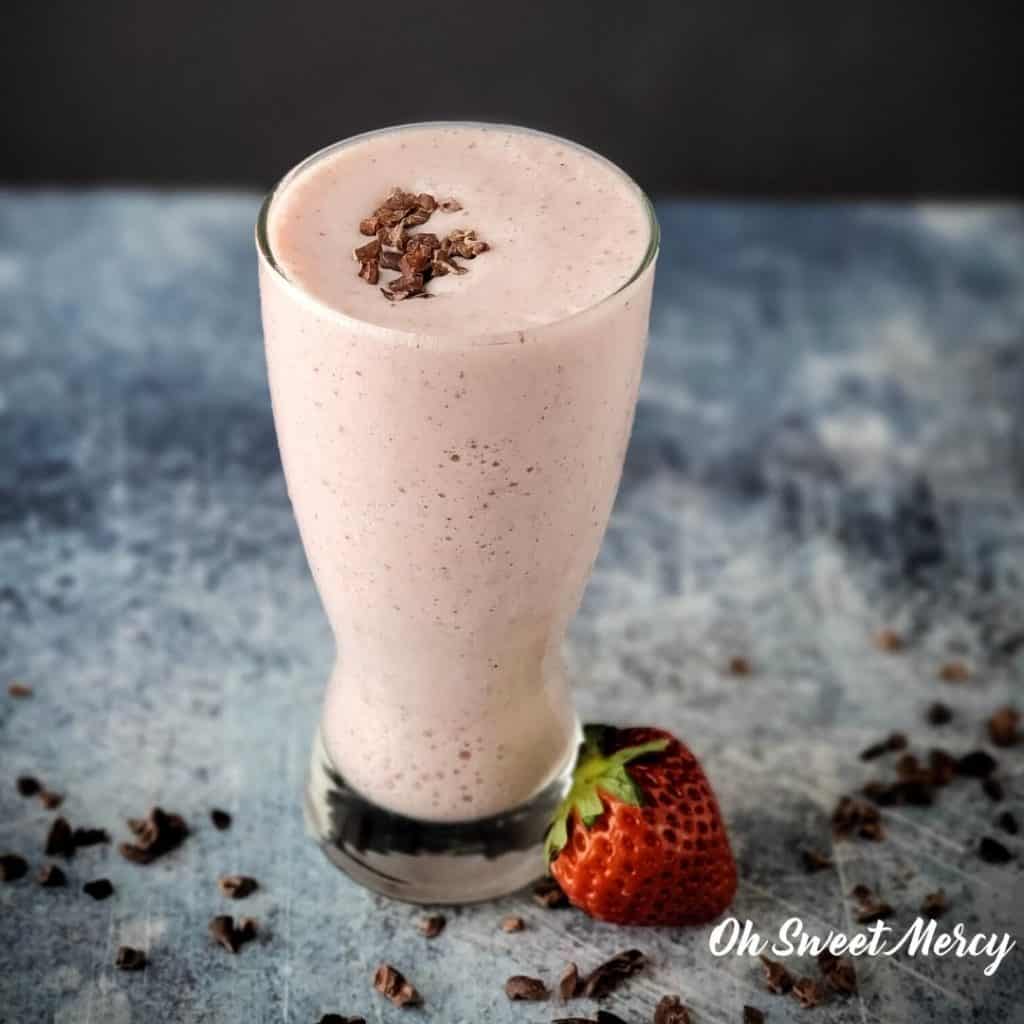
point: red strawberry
(639, 839)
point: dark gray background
(726, 97)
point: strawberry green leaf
(597, 777)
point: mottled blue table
(830, 441)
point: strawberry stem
(596, 778)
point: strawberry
(639, 838)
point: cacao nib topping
(12, 867)
(51, 877)
(237, 887)
(130, 959)
(418, 258)
(27, 785)
(431, 926)
(808, 993)
(548, 894)
(752, 1015)
(935, 904)
(98, 889)
(512, 923)
(155, 835)
(776, 976)
(739, 666)
(939, 714)
(1008, 823)
(856, 817)
(19, 690)
(221, 819)
(607, 977)
(889, 640)
(391, 983)
(1002, 727)
(522, 988)
(670, 1010)
(954, 672)
(992, 851)
(569, 983)
(223, 931)
(60, 842)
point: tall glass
(448, 732)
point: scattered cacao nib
(369, 226)
(27, 785)
(808, 993)
(391, 983)
(336, 1018)
(431, 926)
(892, 742)
(1008, 823)
(51, 877)
(856, 817)
(939, 714)
(19, 690)
(12, 867)
(739, 666)
(569, 983)
(237, 887)
(390, 259)
(98, 889)
(954, 672)
(450, 205)
(978, 764)
(522, 988)
(815, 860)
(861, 892)
(776, 976)
(935, 904)
(992, 851)
(223, 930)
(670, 1010)
(993, 789)
(512, 923)
(60, 842)
(889, 640)
(370, 271)
(1002, 727)
(607, 977)
(548, 894)
(50, 800)
(752, 1015)
(89, 837)
(155, 835)
(942, 767)
(221, 819)
(130, 959)
(908, 767)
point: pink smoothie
(452, 462)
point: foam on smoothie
(565, 227)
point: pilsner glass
(451, 493)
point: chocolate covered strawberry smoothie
(455, 320)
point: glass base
(425, 861)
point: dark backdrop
(775, 97)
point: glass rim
(266, 250)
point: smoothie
(452, 460)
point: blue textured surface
(830, 440)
